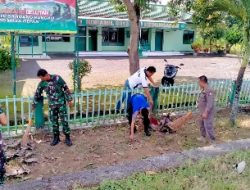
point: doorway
(81, 41)
(93, 40)
(158, 40)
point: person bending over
(138, 104)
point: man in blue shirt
(138, 104)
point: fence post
(232, 95)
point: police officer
(58, 94)
(3, 121)
(207, 109)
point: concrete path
(159, 163)
(114, 71)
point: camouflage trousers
(56, 113)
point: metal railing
(98, 107)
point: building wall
(60, 47)
(101, 47)
(29, 50)
(173, 41)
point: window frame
(29, 43)
(120, 36)
(49, 37)
(189, 36)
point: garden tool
(27, 134)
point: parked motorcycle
(170, 72)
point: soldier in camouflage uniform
(207, 109)
(58, 94)
(3, 121)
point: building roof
(104, 9)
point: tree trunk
(239, 81)
(235, 105)
(134, 35)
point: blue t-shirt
(139, 101)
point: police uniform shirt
(206, 100)
(138, 79)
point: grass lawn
(6, 85)
(212, 174)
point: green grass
(212, 174)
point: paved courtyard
(114, 71)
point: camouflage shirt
(56, 89)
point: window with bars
(26, 41)
(188, 37)
(52, 37)
(113, 36)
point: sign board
(26, 16)
(106, 23)
(126, 23)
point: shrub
(196, 46)
(5, 60)
(84, 68)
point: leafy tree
(233, 36)
(134, 9)
(84, 68)
(240, 10)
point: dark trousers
(2, 163)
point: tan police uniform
(206, 104)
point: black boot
(148, 134)
(56, 140)
(68, 140)
(146, 130)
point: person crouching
(138, 104)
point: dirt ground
(110, 145)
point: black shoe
(150, 128)
(147, 133)
(68, 141)
(56, 140)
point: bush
(84, 68)
(196, 46)
(5, 60)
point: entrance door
(81, 40)
(158, 40)
(93, 40)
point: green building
(102, 29)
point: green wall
(60, 47)
(37, 50)
(173, 41)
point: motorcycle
(170, 72)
